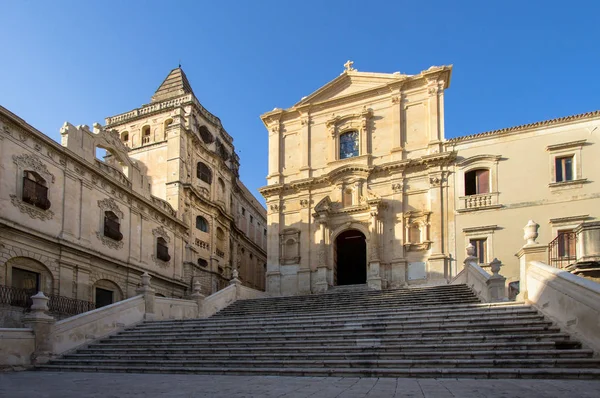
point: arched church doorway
(350, 255)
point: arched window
(167, 123)
(349, 145)
(201, 224)
(477, 181)
(162, 250)
(220, 239)
(35, 190)
(125, 136)
(204, 173)
(112, 227)
(221, 189)
(145, 134)
(206, 136)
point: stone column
(42, 324)
(373, 272)
(531, 251)
(149, 296)
(305, 137)
(398, 139)
(438, 260)
(321, 285)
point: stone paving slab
(112, 385)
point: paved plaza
(68, 385)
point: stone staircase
(441, 331)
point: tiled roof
(175, 85)
(543, 123)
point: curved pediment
(348, 171)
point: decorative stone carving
(348, 66)
(109, 204)
(31, 211)
(531, 232)
(159, 262)
(396, 99)
(495, 267)
(162, 232)
(289, 241)
(33, 162)
(106, 241)
(304, 202)
(470, 250)
(397, 187)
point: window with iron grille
(112, 227)
(162, 250)
(204, 173)
(35, 191)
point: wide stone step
(312, 305)
(392, 324)
(337, 314)
(400, 363)
(370, 355)
(480, 373)
(475, 326)
(356, 335)
(367, 318)
(566, 346)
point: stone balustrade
(479, 201)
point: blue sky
(514, 62)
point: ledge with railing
(57, 304)
(479, 201)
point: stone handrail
(172, 308)
(16, 347)
(569, 300)
(488, 287)
(221, 299)
(75, 331)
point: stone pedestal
(149, 296)
(373, 276)
(42, 324)
(199, 298)
(496, 284)
(528, 253)
(321, 285)
(588, 241)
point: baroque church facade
(166, 199)
(363, 186)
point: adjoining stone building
(363, 186)
(167, 199)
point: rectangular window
(23, 279)
(251, 219)
(243, 212)
(480, 249)
(564, 168)
(477, 182)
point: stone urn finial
(495, 267)
(470, 250)
(40, 302)
(146, 279)
(197, 286)
(235, 274)
(531, 232)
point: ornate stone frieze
(159, 262)
(162, 232)
(106, 241)
(109, 204)
(33, 162)
(31, 211)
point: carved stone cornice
(162, 232)
(106, 241)
(31, 211)
(109, 204)
(33, 162)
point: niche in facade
(289, 246)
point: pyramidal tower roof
(175, 85)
